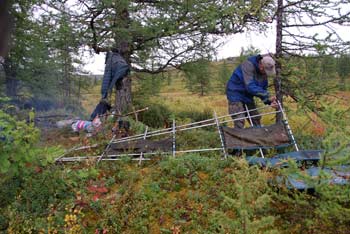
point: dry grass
(177, 98)
(91, 98)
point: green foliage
(9, 189)
(224, 75)
(137, 127)
(194, 116)
(306, 81)
(343, 70)
(198, 138)
(192, 193)
(169, 37)
(234, 198)
(198, 76)
(147, 86)
(157, 116)
(245, 53)
(39, 190)
(247, 200)
(188, 193)
(16, 144)
(328, 208)
(43, 57)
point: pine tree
(296, 23)
(163, 33)
(223, 75)
(343, 70)
(198, 76)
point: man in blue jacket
(247, 81)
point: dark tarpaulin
(145, 146)
(312, 177)
(256, 137)
(280, 160)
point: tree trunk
(123, 98)
(5, 24)
(277, 80)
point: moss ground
(187, 194)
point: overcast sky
(265, 42)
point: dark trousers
(239, 119)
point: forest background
(170, 47)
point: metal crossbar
(218, 121)
(157, 133)
(193, 125)
(113, 156)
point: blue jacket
(246, 82)
(115, 70)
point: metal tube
(220, 135)
(199, 150)
(109, 157)
(106, 149)
(174, 138)
(179, 151)
(133, 159)
(104, 159)
(144, 137)
(145, 134)
(140, 159)
(288, 126)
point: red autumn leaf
(102, 190)
(96, 197)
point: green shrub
(39, 190)
(198, 77)
(198, 138)
(17, 140)
(157, 116)
(195, 116)
(327, 209)
(147, 86)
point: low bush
(195, 116)
(157, 116)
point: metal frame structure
(218, 121)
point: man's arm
(248, 71)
